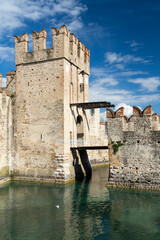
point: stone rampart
(134, 146)
(6, 134)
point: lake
(79, 210)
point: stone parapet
(39, 40)
(65, 45)
(130, 124)
(134, 151)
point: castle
(41, 123)
(134, 147)
(47, 130)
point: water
(87, 210)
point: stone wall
(38, 124)
(43, 96)
(97, 137)
(5, 135)
(134, 146)
(39, 118)
(44, 126)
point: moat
(79, 210)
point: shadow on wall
(79, 175)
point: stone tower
(47, 82)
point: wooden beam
(91, 105)
(89, 148)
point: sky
(122, 35)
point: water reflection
(87, 210)
(135, 214)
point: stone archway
(80, 130)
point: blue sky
(122, 35)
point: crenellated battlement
(137, 112)
(131, 123)
(21, 47)
(65, 45)
(134, 146)
(61, 30)
(23, 38)
(39, 40)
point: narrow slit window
(81, 87)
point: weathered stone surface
(137, 159)
(38, 126)
(5, 135)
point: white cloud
(107, 81)
(4, 80)
(113, 57)
(128, 110)
(106, 87)
(132, 73)
(105, 72)
(100, 92)
(6, 54)
(120, 66)
(98, 72)
(150, 84)
(75, 25)
(93, 31)
(14, 13)
(134, 45)
(120, 60)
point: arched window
(80, 132)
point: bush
(116, 146)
